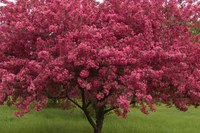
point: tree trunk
(99, 120)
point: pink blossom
(31, 88)
(53, 28)
(84, 73)
(100, 96)
(43, 55)
(112, 55)
(88, 86)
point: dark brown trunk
(99, 120)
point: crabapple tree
(108, 56)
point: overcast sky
(100, 0)
(1, 4)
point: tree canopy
(109, 55)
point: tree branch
(84, 104)
(107, 96)
(74, 102)
(84, 108)
(89, 118)
(88, 104)
(113, 108)
(110, 109)
(83, 97)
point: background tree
(106, 56)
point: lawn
(50, 120)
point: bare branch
(71, 100)
(113, 108)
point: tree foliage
(107, 55)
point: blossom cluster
(118, 52)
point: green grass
(164, 120)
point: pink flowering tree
(108, 56)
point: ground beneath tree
(73, 121)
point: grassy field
(73, 121)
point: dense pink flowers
(114, 54)
(84, 74)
